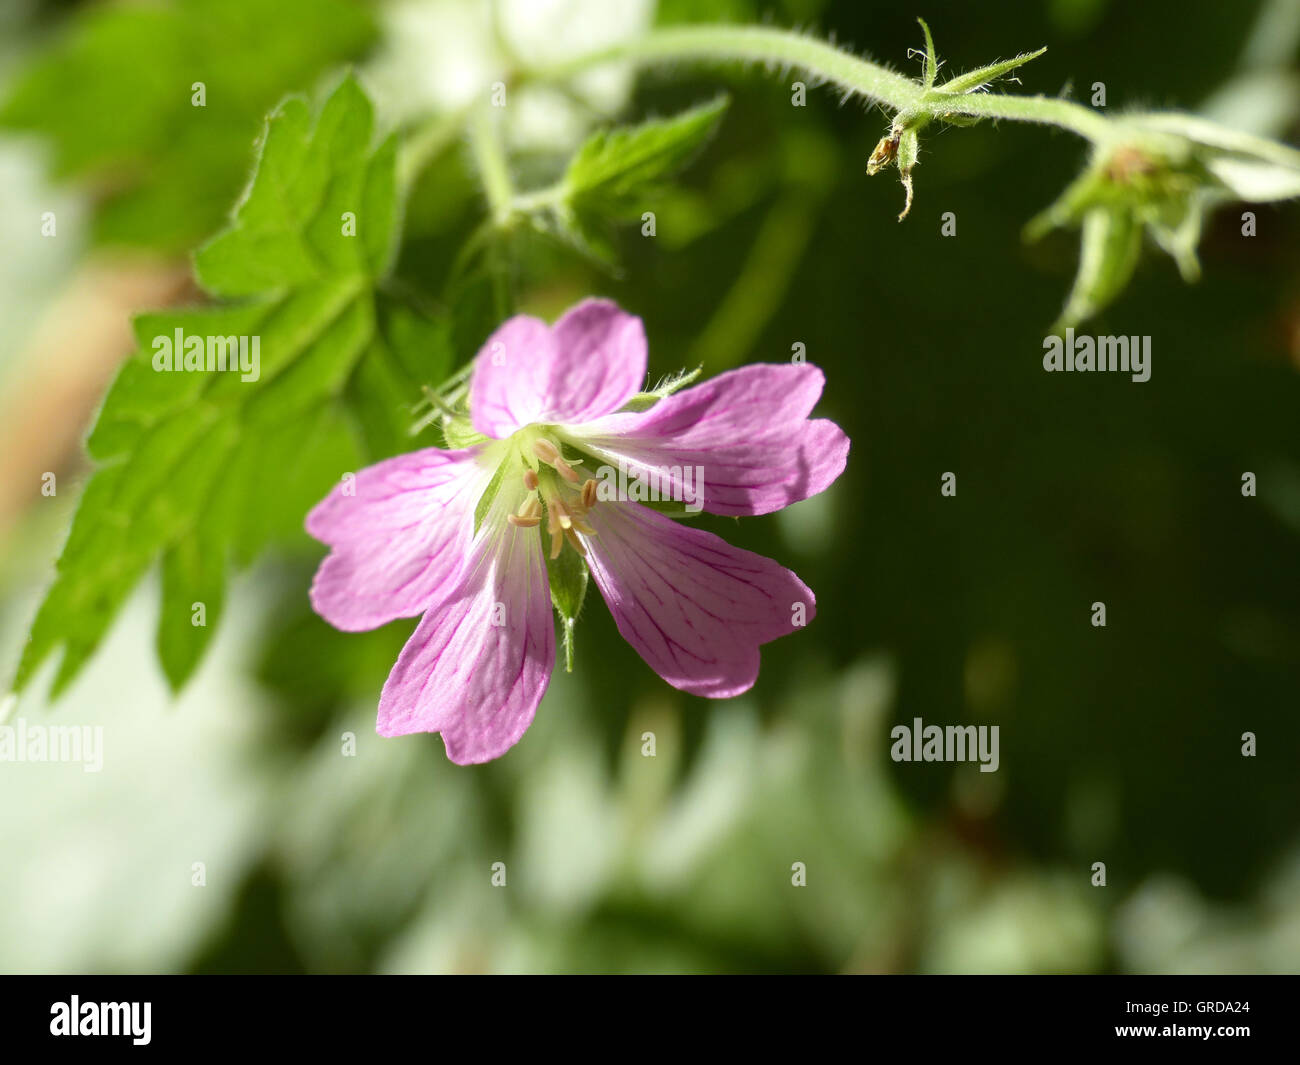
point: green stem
(820, 63)
(756, 44)
(426, 143)
(490, 155)
(823, 62)
(1043, 109)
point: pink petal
(399, 533)
(477, 666)
(694, 607)
(590, 363)
(746, 430)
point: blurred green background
(1120, 745)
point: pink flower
(457, 536)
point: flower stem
(758, 44)
(1046, 110)
(823, 62)
(490, 155)
(426, 143)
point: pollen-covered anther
(550, 454)
(589, 493)
(530, 480)
(546, 451)
(529, 515)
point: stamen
(565, 470)
(564, 507)
(523, 522)
(562, 514)
(571, 536)
(546, 451)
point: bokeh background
(1120, 744)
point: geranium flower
(463, 536)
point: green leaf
(568, 576)
(616, 167)
(114, 92)
(193, 592)
(617, 172)
(198, 466)
(413, 351)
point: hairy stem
(1042, 109)
(824, 62)
(755, 44)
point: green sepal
(930, 68)
(645, 400)
(489, 494)
(975, 79)
(459, 432)
(567, 573)
(1112, 245)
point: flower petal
(399, 534)
(590, 363)
(694, 607)
(476, 667)
(747, 431)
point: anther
(546, 451)
(522, 522)
(530, 480)
(589, 493)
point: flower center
(556, 489)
